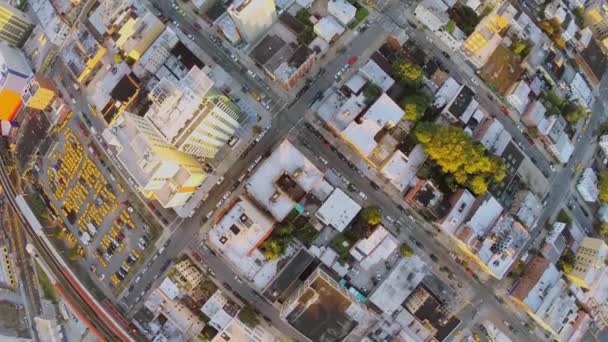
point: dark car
(434, 257)
(445, 54)
(374, 185)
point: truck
(92, 229)
(85, 238)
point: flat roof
(285, 159)
(400, 169)
(447, 92)
(375, 74)
(328, 28)
(338, 210)
(462, 102)
(184, 55)
(239, 233)
(322, 312)
(289, 276)
(267, 48)
(499, 255)
(458, 212)
(339, 111)
(384, 111)
(399, 284)
(485, 215)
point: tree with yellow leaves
(457, 155)
(410, 74)
(602, 186)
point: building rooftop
(494, 137)
(400, 169)
(328, 28)
(280, 180)
(485, 216)
(387, 247)
(238, 234)
(214, 308)
(338, 210)
(528, 209)
(322, 310)
(399, 284)
(340, 111)
(519, 96)
(447, 92)
(502, 245)
(267, 48)
(341, 10)
(384, 112)
(463, 102)
(290, 277)
(462, 202)
(580, 90)
(373, 72)
(175, 104)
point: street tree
(248, 316)
(603, 186)
(372, 216)
(406, 251)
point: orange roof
(11, 103)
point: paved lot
(100, 225)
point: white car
(190, 36)
(363, 195)
(219, 204)
(209, 214)
(389, 219)
(220, 181)
(226, 195)
(323, 160)
(474, 81)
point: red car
(352, 60)
(504, 110)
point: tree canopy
(248, 316)
(415, 105)
(371, 216)
(602, 186)
(277, 242)
(457, 155)
(573, 112)
(406, 251)
(409, 73)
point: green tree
(371, 216)
(573, 112)
(371, 92)
(406, 251)
(248, 316)
(566, 262)
(603, 186)
(521, 47)
(272, 249)
(410, 74)
(415, 106)
(603, 230)
(450, 27)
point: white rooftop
(328, 28)
(485, 215)
(373, 72)
(400, 283)
(214, 309)
(382, 113)
(447, 92)
(169, 288)
(564, 148)
(501, 247)
(338, 210)
(387, 246)
(519, 96)
(339, 111)
(342, 10)
(176, 104)
(581, 90)
(356, 82)
(238, 234)
(529, 210)
(284, 159)
(367, 245)
(495, 138)
(400, 169)
(458, 212)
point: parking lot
(100, 227)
